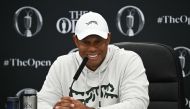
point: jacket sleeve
(133, 89)
(51, 90)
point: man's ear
(109, 38)
(75, 40)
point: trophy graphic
(130, 14)
(25, 24)
(182, 55)
(28, 23)
(63, 25)
(130, 22)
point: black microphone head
(85, 59)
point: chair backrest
(164, 74)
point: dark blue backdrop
(24, 61)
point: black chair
(164, 74)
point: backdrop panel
(34, 33)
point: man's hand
(69, 103)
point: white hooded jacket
(121, 79)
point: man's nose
(92, 48)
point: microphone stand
(77, 74)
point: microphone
(77, 74)
(80, 68)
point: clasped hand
(69, 103)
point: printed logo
(16, 62)
(184, 57)
(130, 20)
(92, 22)
(65, 25)
(183, 19)
(187, 102)
(27, 21)
(91, 94)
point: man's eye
(98, 41)
(85, 42)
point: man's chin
(92, 64)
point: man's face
(95, 48)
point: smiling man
(93, 47)
(113, 78)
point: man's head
(92, 38)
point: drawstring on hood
(99, 95)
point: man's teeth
(92, 56)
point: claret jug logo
(187, 103)
(184, 57)
(130, 20)
(67, 25)
(27, 21)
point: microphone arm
(77, 74)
